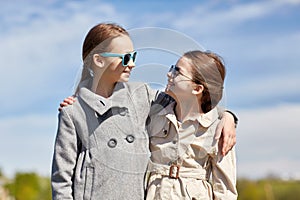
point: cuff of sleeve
(236, 120)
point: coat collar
(205, 120)
(208, 118)
(100, 104)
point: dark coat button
(130, 138)
(112, 143)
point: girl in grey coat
(101, 148)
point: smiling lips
(127, 71)
(170, 83)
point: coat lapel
(100, 104)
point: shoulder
(71, 110)
(136, 85)
(163, 99)
(161, 102)
(140, 87)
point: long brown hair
(208, 70)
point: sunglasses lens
(126, 59)
(174, 71)
(134, 57)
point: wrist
(236, 120)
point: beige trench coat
(184, 157)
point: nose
(169, 75)
(131, 64)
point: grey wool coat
(101, 149)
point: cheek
(182, 88)
(116, 67)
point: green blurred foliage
(29, 186)
(268, 189)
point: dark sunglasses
(125, 57)
(175, 70)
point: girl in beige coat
(184, 151)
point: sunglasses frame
(120, 55)
(175, 70)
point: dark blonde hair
(209, 71)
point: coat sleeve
(64, 158)
(152, 93)
(224, 176)
(158, 97)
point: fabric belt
(176, 171)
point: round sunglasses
(126, 57)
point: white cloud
(280, 168)
(206, 18)
(268, 140)
(265, 90)
(27, 143)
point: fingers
(67, 101)
(226, 133)
(62, 104)
(226, 143)
(70, 100)
(219, 129)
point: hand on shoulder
(67, 101)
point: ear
(198, 89)
(98, 60)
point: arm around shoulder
(226, 132)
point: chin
(124, 79)
(168, 88)
(168, 91)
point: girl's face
(115, 71)
(180, 82)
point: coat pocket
(89, 183)
(199, 190)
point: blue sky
(40, 58)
